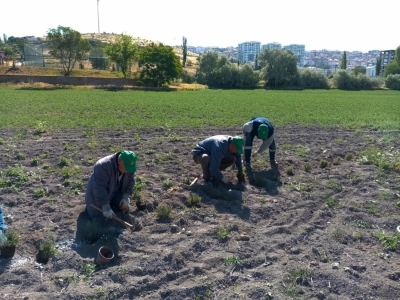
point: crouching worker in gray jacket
(111, 184)
(217, 153)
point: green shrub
(187, 77)
(47, 249)
(323, 163)
(12, 239)
(193, 200)
(393, 82)
(313, 79)
(163, 210)
(344, 80)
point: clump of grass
(222, 234)
(232, 260)
(88, 269)
(193, 200)
(336, 161)
(330, 202)
(307, 167)
(39, 193)
(303, 152)
(16, 176)
(20, 156)
(63, 162)
(289, 171)
(349, 156)
(40, 127)
(383, 160)
(167, 183)
(78, 185)
(68, 172)
(323, 163)
(389, 242)
(34, 161)
(163, 210)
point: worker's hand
(224, 178)
(125, 202)
(107, 211)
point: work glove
(224, 178)
(125, 202)
(107, 211)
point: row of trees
(158, 64)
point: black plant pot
(7, 252)
(41, 257)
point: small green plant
(90, 161)
(66, 146)
(175, 138)
(259, 180)
(44, 155)
(68, 172)
(232, 260)
(323, 163)
(373, 208)
(187, 181)
(88, 269)
(20, 156)
(1, 141)
(222, 234)
(389, 242)
(289, 171)
(34, 161)
(47, 248)
(349, 156)
(167, 183)
(286, 146)
(193, 200)
(63, 162)
(163, 210)
(336, 161)
(12, 239)
(40, 127)
(150, 151)
(262, 200)
(38, 193)
(303, 152)
(340, 141)
(339, 235)
(78, 185)
(16, 176)
(307, 167)
(330, 202)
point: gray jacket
(217, 148)
(104, 181)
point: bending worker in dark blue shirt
(262, 128)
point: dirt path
(310, 235)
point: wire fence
(38, 55)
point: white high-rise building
(271, 46)
(299, 51)
(248, 51)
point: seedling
(78, 185)
(175, 138)
(389, 242)
(163, 211)
(303, 152)
(35, 161)
(20, 156)
(339, 235)
(47, 249)
(150, 151)
(330, 202)
(63, 162)
(17, 176)
(336, 161)
(232, 260)
(68, 172)
(259, 180)
(323, 163)
(167, 183)
(13, 238)
(88, 269)
(289, 171)
(40, 127)
(38, 193)
(307, 167)
(349, 156)
(193, 200)
(222, 234)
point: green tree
(360, 70)
(19, 42)
(11, 53)
(343, 62)
(184, 51)
(159, 64)
(68, 46)
(124, 52)
(378, 66)
(397, 55)
(279, 68)
(98, 59)
(391, 69)
(208, 62)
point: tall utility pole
(98, 16)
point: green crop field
(99, 108)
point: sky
(345, 25)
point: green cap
(238, 142)
(263, 131)
(129, 159)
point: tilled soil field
(322, 227)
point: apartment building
(248, 51)
(299, 51)
(271, 46)
(387, 56)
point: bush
(313, 79)
(187, 77)
(393, 82)
(248, 78)
(163, 211)
(12, 239)
(47, 249)
(344, 80)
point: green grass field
(99, 108)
